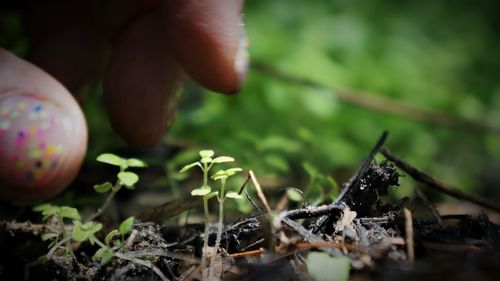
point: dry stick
(260, 193)
(144, 263)
(382, 104)
(410, 249)
(437, 184)
(429, 205)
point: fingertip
(43, 135)
(142, 82)
(209, 40)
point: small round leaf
(223, 159)
(126, 226)
(112, 159)
(206, 153)
(200, 191)
(233, 195)
(189, 166)
(103, 187)
(136, 163)
(128, 178)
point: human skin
(143, 51)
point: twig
(144, 263)
(314, 211)
(260, 193)
(437, 184)
(247, 253)
(28, 227)
(410, 248)
(429, 205)
(382, 104)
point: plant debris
(372, 239)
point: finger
(66, 41)
(209, 41)
(43, 135)
(142, 83)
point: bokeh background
(440, 58)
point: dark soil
(375, 236)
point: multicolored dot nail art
(32, 133)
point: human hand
(141, 50)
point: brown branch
(28, 227)
(382, 104)
(437, 184)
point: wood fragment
(437, 184)
(260, 193)
(247, 253)
(410, 248)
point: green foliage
(85, 231)
(126, 178)
(63, 212)
(126, 226)
(205, 163)
(415, 54)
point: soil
(384, 241)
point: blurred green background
(440, 56)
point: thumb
(43, 135)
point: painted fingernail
(242, 58)
(33, 136)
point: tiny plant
(60, 236)
(125, 178)
(82, 231)
(205, 163)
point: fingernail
(242, 58)
(33, 137)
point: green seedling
(80, 231)
(60, 213)
(205, 163)
(125, 178)
(112, 244)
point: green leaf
(70, 213)
(80, 234)
(126, 226)
(221, 174)
(112, 159)
(206, 153)
(42, 207)
(212, 194)
(294, 194)
(136, 163)
(104, 255)
(223, 159)
(47, 236)
(201, 191)
(128, 178)
(189, 166)
(206, 160)
(233, 195)
(110, 236)
(232, 171)
(323, 267)
(103, 187)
